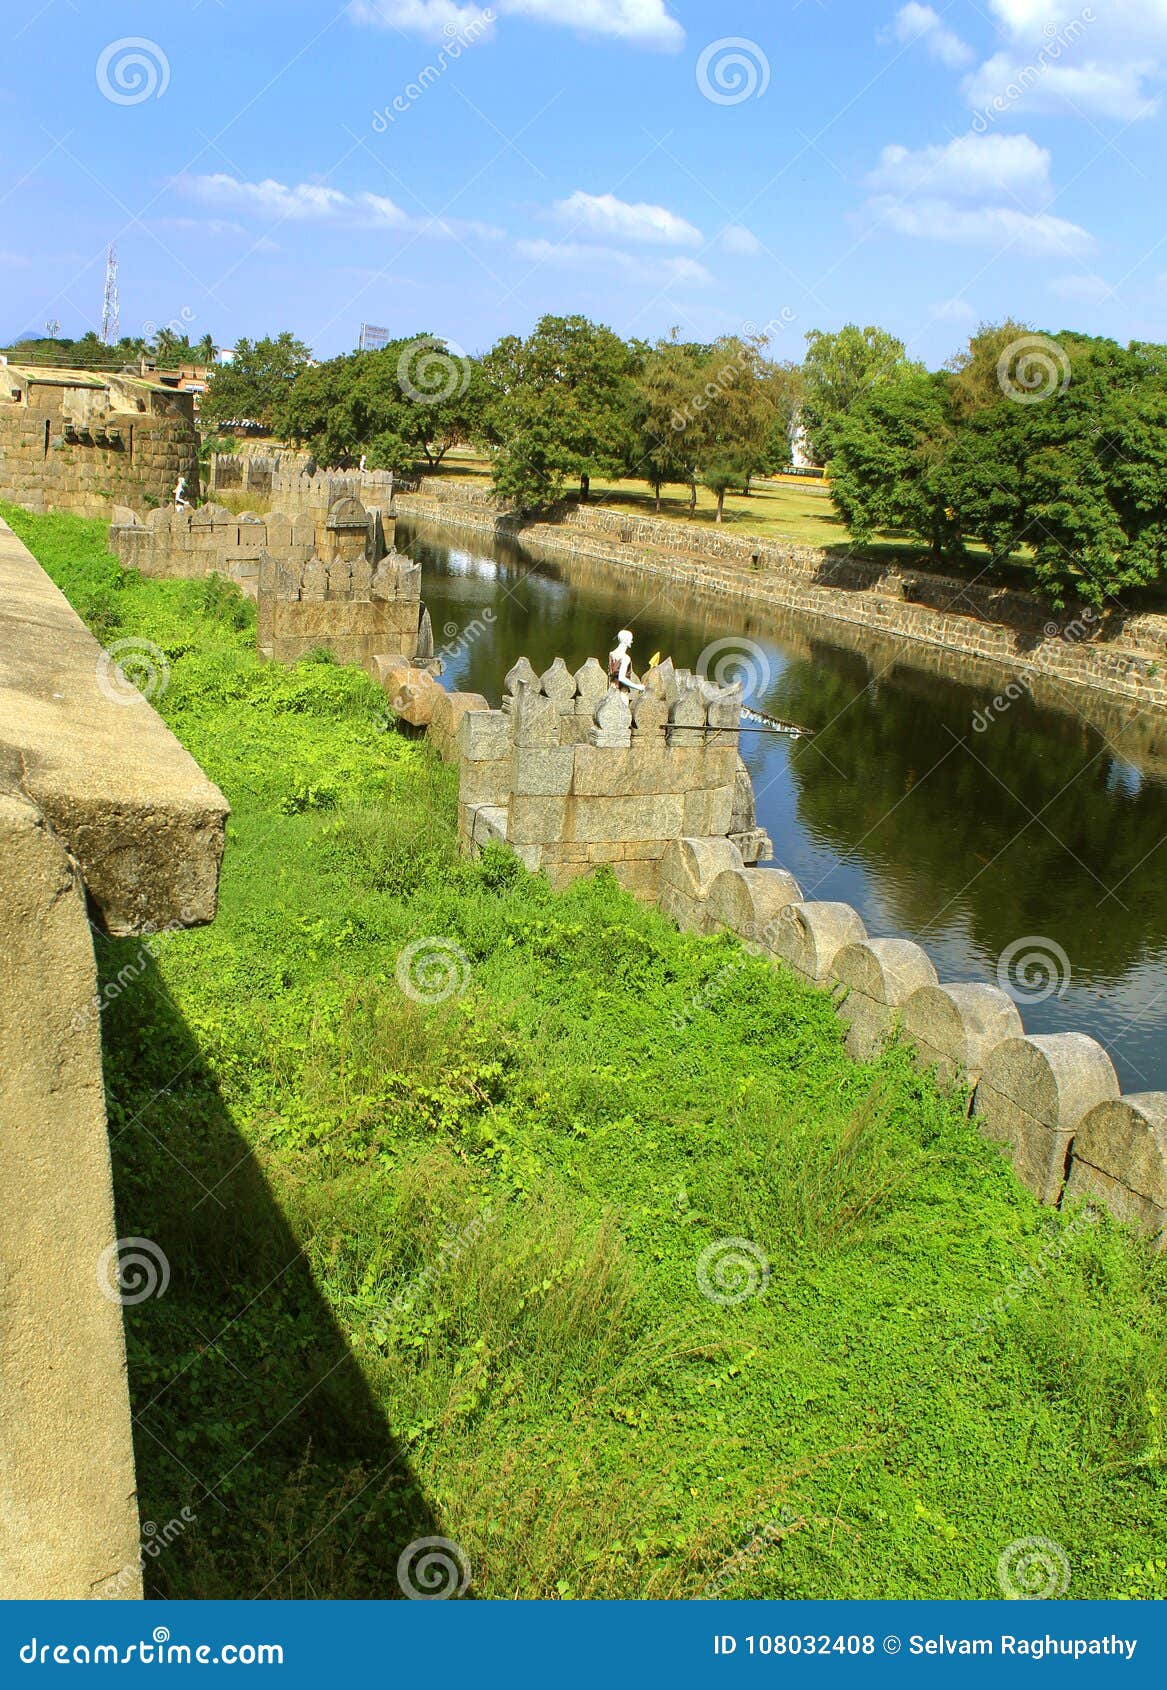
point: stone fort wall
(320, 579)
(104, 818)
(291, 481)
(570, 773)
(86, 448)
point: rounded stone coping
(446, 716)
(412, 692)
(809, 936)
(961, 1023)
(1126, 1138)
(696, 863)
(887, 971)
(772, 891)
(748, 900)
(556, 682)
(1055, 1077)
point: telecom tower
(111, 327)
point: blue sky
(444, 166)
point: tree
(989, 360)
(408, 401)
(558, 403)
(661, 446)
(1074, 471)
(889, 467)
(838, 369)
(251, 387)
(733, 412)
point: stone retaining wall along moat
(1125, 657)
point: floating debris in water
(776, 724)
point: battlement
(327, 580)
(292, 480)
(572, 772)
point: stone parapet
(583, 776)
(326, 580)
(103, 816)
(1050, 1100)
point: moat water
(1027, 843)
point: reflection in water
(1048, 821)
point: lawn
(446, 1227)
(773, 510)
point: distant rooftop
(51, 375)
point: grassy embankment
(433, 1267)
(773, 510)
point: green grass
(773, 510)
(433, 1266)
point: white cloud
(1030, 234)
(977, 190)
(914, 22)
(305, 201)
(1009, 80)
(642, 23)
(1058, 56)
(658, 272)
(435, 20)
(953, 311)
(739, 241)
(969, 167)
(1084, 290)
(604, 214)
(311, 202)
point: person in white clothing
(620, 664)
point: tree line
(1050, 450)
(168, 346)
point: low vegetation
(434, 1264)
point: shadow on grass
(250, 1412)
